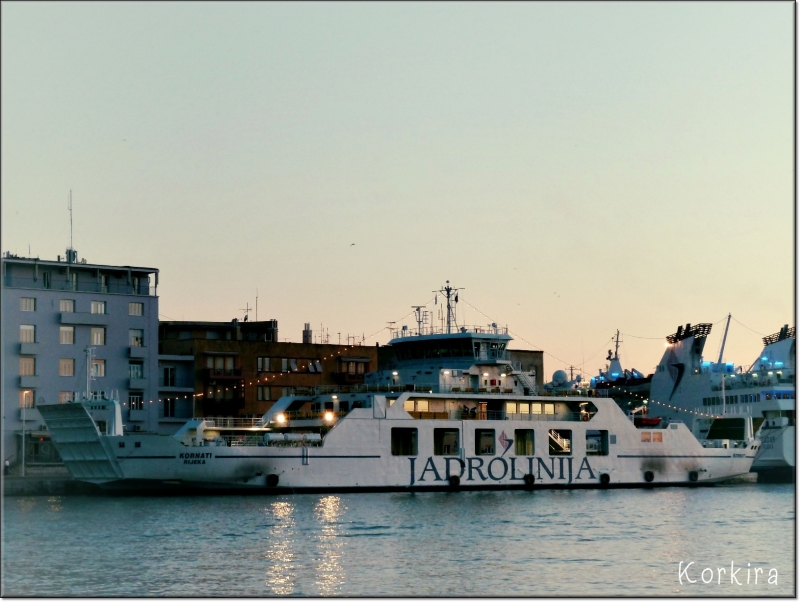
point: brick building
(240, 368)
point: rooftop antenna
(70, 219)
(246, 310)
(256, 305)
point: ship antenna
(449, 293)
(616, 348)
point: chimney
(307, 334)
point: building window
(560, 442)
(27, 366)
(135, 369)
(135, 285)
(26, 398)
(263, 393)
(351, 367)
(284, 364)
(262, 364)
(169, 376)
(67, 305)
(27, 333)
(98, 368)
(66, 396)
(73, 281)
(98, 336)
(135, 401)
(103, 283)
(98, 307)
(135, 309)
(360, 368)
(66, 335)
(445, 442)
(66, 367)
(484, 442)
(169, 407)
(404, 442)
(523, 442)
(27, 304)
(46, 280)
(136, 337)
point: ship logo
(505, 442)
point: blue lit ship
(717, 397)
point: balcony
(85, 318)
(137, 383)
(60, 283)
(137, 352)
(29, 348)
(222, 373)
(30, 415)
(28, 382)
(137, 415)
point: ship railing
(225, 422)
(399, 333)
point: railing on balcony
(82, 286)
(222, 372)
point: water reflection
(26, 504)
(330, 573)
(55, 504)
(281, 574)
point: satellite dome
(559, 376)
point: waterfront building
(59, 316)
(239, 368)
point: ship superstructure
(689, 388)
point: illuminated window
(657, 437)
(27, 333)
(26, 398)
(98, 336)
(98, 368)
(27, 366)
(645, 437)
(66, 335)
(66, 367)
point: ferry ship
(701, 392)
(451, 413)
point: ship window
(560, 442)
(344, 406)
(484, 442)
(646, 437)
(408, 405)
(524, 408)
(404, 442)
(657, 437)
(511, 408)
(137, 444)
(523, 442)
(445, 442)
(122, 444)
(612, 439)
(597, 443)
(549, 408)
(536, 408)
(422, 405)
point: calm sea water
(506, 543)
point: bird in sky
(352, 244)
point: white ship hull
(357, 453)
